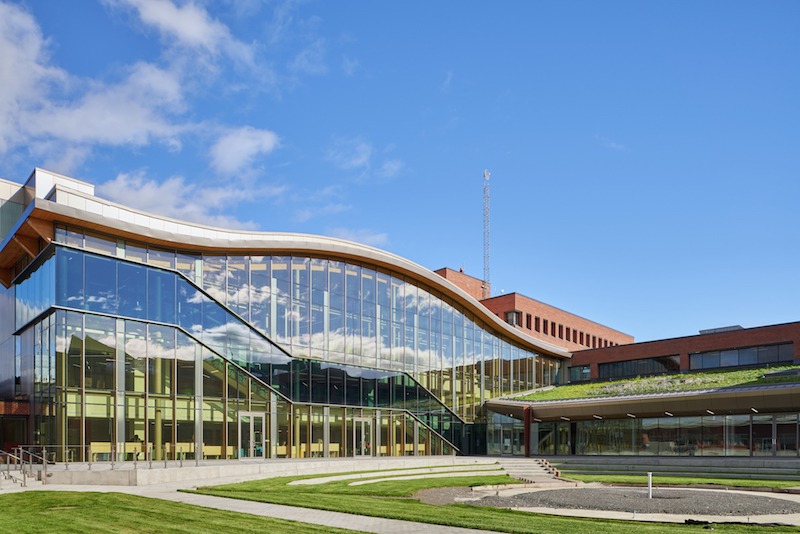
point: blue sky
(645, 156)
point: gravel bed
(664, 501)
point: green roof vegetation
(669, 383)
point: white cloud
(310, 60)
(390, 168)
(52, 115)
(349, 65)
(24, 71)
(356, 154)
(365, 236)
(132, 111)
(236, 149)
(190, 25)
(348, 154)
(176, 198)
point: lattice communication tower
(487, 291)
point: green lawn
(393, 499)
(665, 384)
(688, 480)
(82, 512)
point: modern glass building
(126, 333)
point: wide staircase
(706, 467)
(530, 470)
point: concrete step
(532, 470)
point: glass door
(362, 436)
(251, 434)
(786, 435)
(507, 433)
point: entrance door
(251, 434)
(507, 440)
(362, 437)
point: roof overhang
(766, 399)
(103, 216)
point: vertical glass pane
(101, 343)
(132, 294)
(161, 358)
(160, 296)
(135, 356)
(101, 284)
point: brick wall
(473, 286)
(683, 346)
(554, 325)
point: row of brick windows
(553, 329)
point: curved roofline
(76, 207)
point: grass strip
(392, 499)
(666, 384)
(80, 512)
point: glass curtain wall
(177, 397)
(341, 312)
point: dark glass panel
(101, 351)
(728, 358)
(319, 383)
(185, 358)
(101, 284)
(74, 335)
(132, 284)
(337, 384)
(70, 278)
(213, 374)
(161, 356)
(189, 305)
(160, 296)
(135, 356)
(768, 354)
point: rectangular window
(561, 331)
(581, 339)
(536, 325)
(552, 329)
(546, 326)
(569, 333)
(528, 321)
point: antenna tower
(487, 288)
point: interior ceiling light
(668, 413)
(631, 415)
(753, 410)
(709, 412)
(598, 417)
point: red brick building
(540, 320)
(719, 348)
